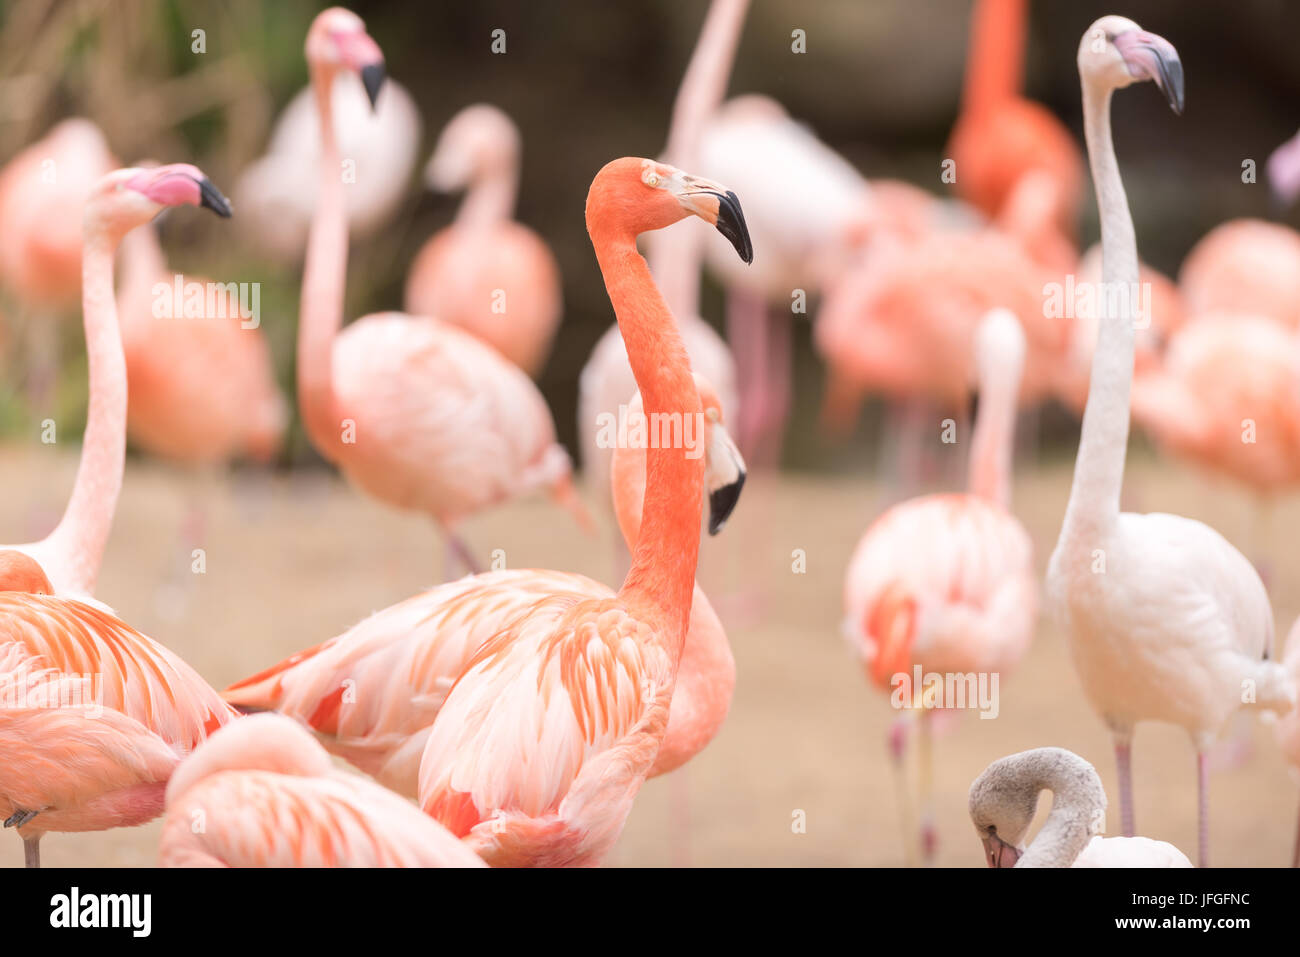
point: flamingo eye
(649, 175)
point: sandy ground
(292, 560)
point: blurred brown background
(587, 81)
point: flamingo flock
(510, 717)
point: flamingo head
(724, 468)
(1116, 52)
(337, 40)
(1002, 808)
(631, 196)
(479, 139)
(1283, 168)
(127, 198)
(18, 572)
(259, 742)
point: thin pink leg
(778, 376)
(1295, 855)
(1202, 810)
(745, 336)
(898, 731)
(1124, 766)
(32, 851)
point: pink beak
(1152, 57)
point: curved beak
(999, 853)
(210, 198)
(724, 475)
(372, 78)
(1152, 57)
(720, 207)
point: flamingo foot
(929, 840)
(20, 817)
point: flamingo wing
(574, 685)
(130, 672)
(257, 818)
(372, 693)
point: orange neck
(995, 62)
(323, 284)
(662, 576)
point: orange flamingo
(413, 410)
(1245, 267)
(486, 273)
(98, 715)
(71, 554)
(267, 795)
(372, 693)
(1014, 159)
(947, 582)
(202, 388)
(544, 741)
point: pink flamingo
(1245, 267)
(267, 795)
(372, 693)
(43, 191)
(1005, 795)
(1283, 168)
(1287, 728)
(1014, 160)
(904, 322)
(591, 680)
(413, 410)
(1166, 620)
(379, 136)
(809, 209)
(674, 256)
(71, 554)
(486, 273)
(947, 582)
(202, 388)
(104, 718)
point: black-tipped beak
(1170, 77)
(722, 502)
(372, 78)
(210, 197)
(731, 223)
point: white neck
(75, 549)
(1099, 469)
(989, 469)
(1077, 801)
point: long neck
(1099, 469)
(989, 473)
(995, 61)
(82, 534)
(323, 283)
(675, 254)
(706, 676)
(491, 197)
(1077, 799)
(664, 558)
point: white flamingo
(1166, 620)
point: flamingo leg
(458, 553)
(1124, 767)
(1202, 809)
(929, 833)
(778, 375)
(897, 741)
(1295, 855)
(745, 336)
(32, 851)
